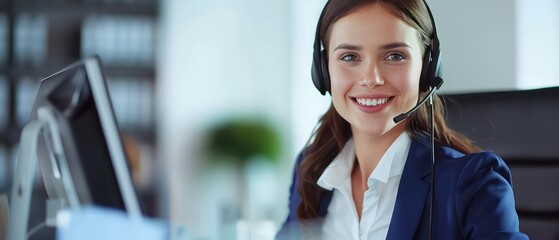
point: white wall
(499, 44)
(537, 43)
(307, 105)
(218, 58)
(478, 44)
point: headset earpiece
(424, 80)
(431, 71)
(319, 71)
(325, 74)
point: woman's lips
(372, 104)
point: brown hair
(333, 131)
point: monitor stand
(46, 126)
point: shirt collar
(391, 164)
(394, 159)
(339, 169)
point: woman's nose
(372, 77)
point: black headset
(431, 71)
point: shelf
(9, 136)
(138, 72)
(147, 135)
(143, 135)
(44, 36)
(40, 72)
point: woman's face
(375, 63)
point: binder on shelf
(133, 102)
(3, 38)
(147, 99)
(4, 101)
(26, 89)
(4, 169)
(30, 39)
(118, 91)
(122, 41)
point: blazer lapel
(412, 192)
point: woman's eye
(396, 57)
(348, 58)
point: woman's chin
(377, 129)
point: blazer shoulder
(485, 163)
(471, 162)
(450, 153)
(484, 198)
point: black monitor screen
(78, 98)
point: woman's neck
(370, 149)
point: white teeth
(372, 102)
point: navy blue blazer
(473, 197)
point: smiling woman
(363, 60)
(364, 175)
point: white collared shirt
(342, 221)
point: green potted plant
(242, 145)
(239, 140)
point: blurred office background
(182, 71)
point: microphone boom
(436, 86)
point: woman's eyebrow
(393, 45)
(348, 47)
(388, 46)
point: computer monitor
(74, 136)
